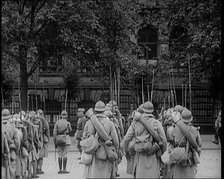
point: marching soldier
(45, 138)
(28, 124)
(116, 118)
(37, 144)
(12, 137)
(100, 168)
(80, 127)
(21, 160)
(185, 156)
(5, 155)
(60, 133)
(109, 114)
(218, 126)
(147, 156)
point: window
(148, 41)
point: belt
(60, 133)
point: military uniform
(80, 127)
(5, 156)
(45, 132)
(62, 126)
(13, 141)
(100, 168)
(145, 165)
(186, 168)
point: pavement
(209, 167)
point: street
(209, 167)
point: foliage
(193, 31)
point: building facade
(47, 86)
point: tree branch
(41, 6)
(33, 68)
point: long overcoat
(145, 166)
(46, 133)
(99, 168)
(190, 170)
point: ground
(209, 167)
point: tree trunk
(23, 86)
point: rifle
(148, 91)
(152, 84)
(36, 96)
(66, 96)
(174, 90)
(182, 101)
(189, 65)
(20, 100)
(142, 91)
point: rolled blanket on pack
(90, 114)
(186, 132)
(150, 128)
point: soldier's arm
(25, 137)
(162, 136)
(120, 122)
(47, 130)
(16, 139)
(129, 135)
(88, 129)
(55, 130)
(69, 127)
(114, 135)
(198, 140)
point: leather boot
(60, 165)
(64, 165)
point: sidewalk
(206, 144)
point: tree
(193, 31)
(31, 30)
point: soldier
(12, 137)
(28, 124)
(80, 127)
(109, 114)
(184, 157)
(37, 144)
(61, 129)
(46, 139)
(21, 159)
(147, 158)
(5, 155)
(100, 168)
(117, 119)
(218, 126)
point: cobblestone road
(210, 166)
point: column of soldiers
(24, 145)
(167, 147)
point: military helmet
(178, 108)
(112, 103)
(23, 113)
(5, 114)
(32, 113)
(186, 115)
(140, 109)
(108, 114)
(81, 110)
(99, 106)
(148, 107)
(40, 112)
(64, 114)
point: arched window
(147, 38)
